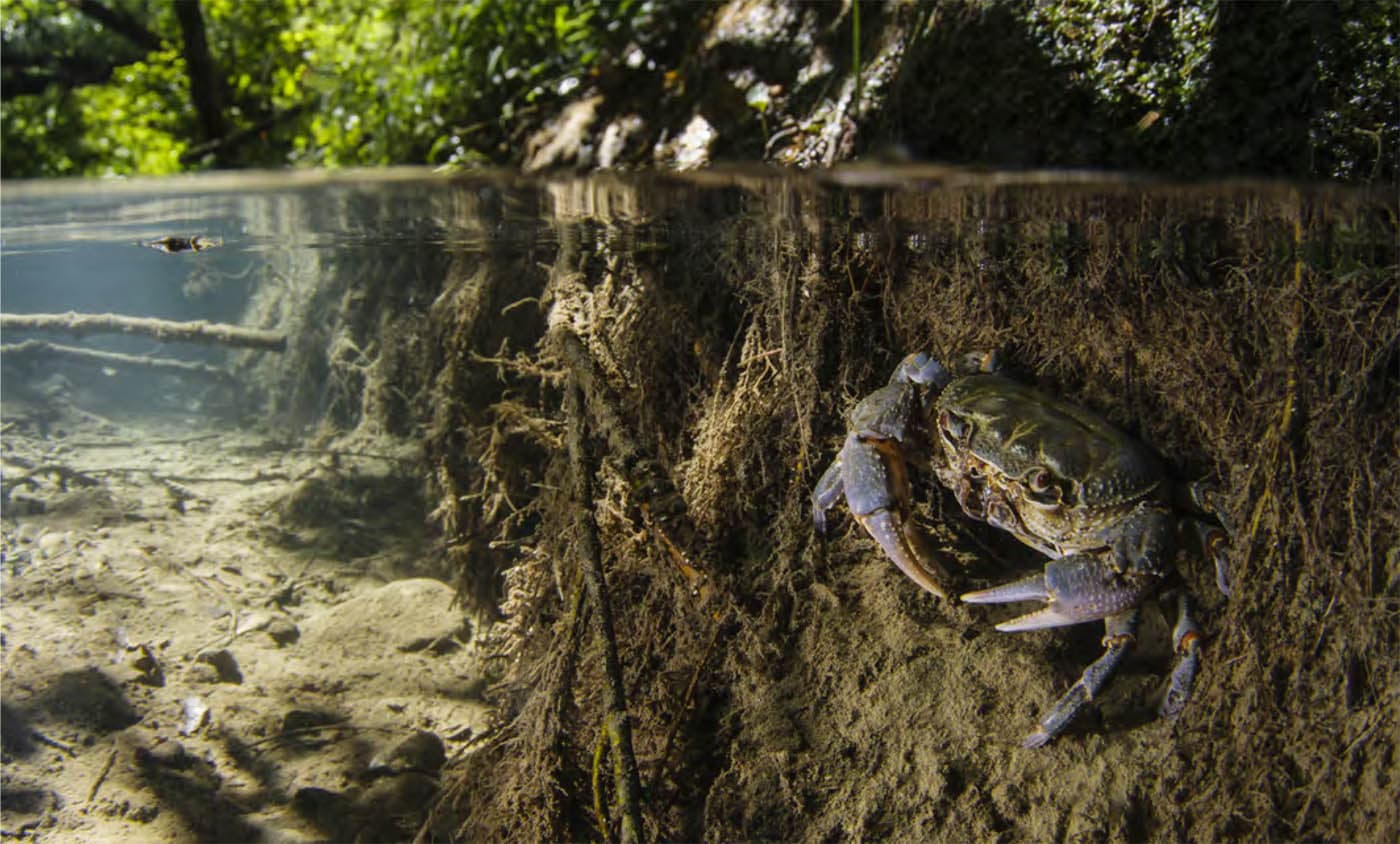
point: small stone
(398, 797)
(50, 544)
(252, 622)
(405, 613)
(283, 632)
(195, 716)
(144, 813)
(223, 663)
(165, 754)
(423, 752)
(151, 672)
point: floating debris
(174, 244)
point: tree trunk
(206, 88)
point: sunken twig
(42, 349)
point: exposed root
(626, 782)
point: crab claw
(922, 368)
(872, 475)
(1077, 588)
(903, 545)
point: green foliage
(446, 80)
(144, 117)
(1139, 57)
(337, 83)
(1191, 87)
(1301, 89)
(136, 122)
(1194, 86)
(1357, 133)
(32, 127)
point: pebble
(423, 752)
(194, 715)
(50, 544)
(282, 631)
(223, 664)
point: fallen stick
(72, 443)
(64, 473)
(45, 349)
(199, 331)
(101, 776)
(257, 478)
(626, 782)
(54, 743)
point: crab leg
(1120, 631)
(1186, 638)
(830, 487)
(1215, 543)
(1214, 540)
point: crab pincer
(871, 471)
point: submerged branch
(198, 331)
(44, 349)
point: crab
(1061, 479)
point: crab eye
(954, 429)
(1040, 480)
